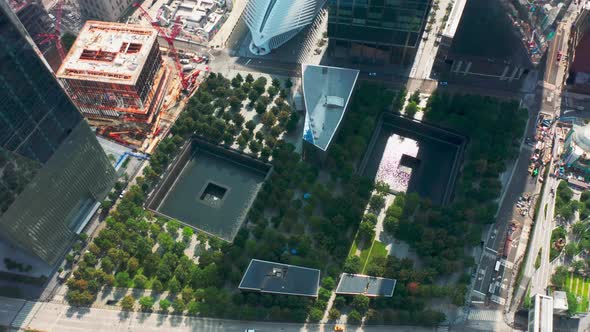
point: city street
(63, 318)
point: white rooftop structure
(108, 52)
(273, 22)
(541, 315)
(326, 93)
(560, 305)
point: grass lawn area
(353, 248)
(364, 255)
(377, 250)
(579, 286)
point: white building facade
(104, 10)
(273, 22)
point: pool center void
(210, 188)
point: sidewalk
(220, 39)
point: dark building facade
(35, 19)
(376, 31)
(52, 169)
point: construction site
(123, 84)
(199, 20)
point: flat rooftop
(210, 188)
(326, 93)
(278, 278)
(108, 52)
(358, 284)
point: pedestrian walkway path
(485, 315)
(26, 314)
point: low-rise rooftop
(278, 278)
(108, 52)
(326, 93)
(358, 284)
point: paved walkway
(63, 318)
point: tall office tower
(104, 10)
(273, 22)
(376, 31)
(35, 18)
(53, 172)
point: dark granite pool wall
(171, 174)
(234, 155)
(421, 128)
(188, 151)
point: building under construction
(115, 74)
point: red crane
(56, 36)
(176, 28)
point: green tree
(370, 217)
(146, 303)
(249, 78)
(250, 125)
(164, 305)
(268, 119)
(276, 83)
(132, 265)
(193, 307)
(178, 305)
(571, 249)
(235, 103)
(288, 83)
(366, 230)
(238, 119)
(272, 91)
(172, 226)
(140, 281)
(352, 265)
(174, 285)
(242, 142)
(260, 108)
(578, 265)
(187, 233)
(187, 294)
(328, 283)
(157, 286)
(334, 314)
(415, 97)
(255, 146)
(360, 303)
(377, 202)
(315, 314)
(559, 277)
(127, 303)
(411, 109)
(122, 279)
(354, 318)
(572, 303)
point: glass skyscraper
(52, 169)
(382, 31)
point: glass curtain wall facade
(52, 169)
(379, 31)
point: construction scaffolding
(116, 75)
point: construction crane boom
(169, 39)
(55, 37)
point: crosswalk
(26, 313)
(484, 315)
